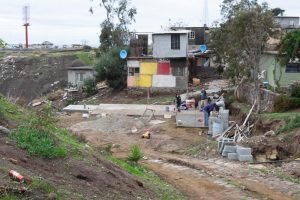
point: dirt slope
(86, 177)
(25, 78)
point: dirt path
(213, 178)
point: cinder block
(230, 149)
(224, 154)
(222, 144)
(245, 158)
(243, 151)
(233, 156)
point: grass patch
(284, 115)
(10, 111)
(38, 142)
(292, 123)
(86, 57)
(162, 189)
(40, 136)
(8, 197)
(285, 176)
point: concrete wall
(247, 92)
(287, 22)
(74, 77)
(276, 72)
(162, 46)
(164, 81)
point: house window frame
(133, 71)
(192, 35)
(175, 41)
(292, 68)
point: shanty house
(287, 22)
(167, 68)
(77, 75)
(275, 72)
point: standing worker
(177, 101)
(203, 98)
(207, 109)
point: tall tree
(289, 47)
(114, 29)
(114, 37)
(240, 39)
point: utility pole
(205, 13)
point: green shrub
(135, 154)
(295, 90)
(110, 68)
(294, 103)
(89, 86)
(281, 103)
(292, 124)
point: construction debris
(234, 134)
(146, 135)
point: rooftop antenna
(26, 22)
(205, 13)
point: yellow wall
(145, 81)
(148, 68)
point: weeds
(292, 124)
(135, 154)
(40, 136)
(86, 57)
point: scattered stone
(13, 161)
(4, 130)
(52, 196)
(258, 166)
(270, 134)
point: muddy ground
(204, 176)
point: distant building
(77, 46)
(287, 22)
(275, 72)
(47, 45)
(77, 75)
(167, 68)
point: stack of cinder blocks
(227, 148)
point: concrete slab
(134, 109)
(190, 118)
(80, 108)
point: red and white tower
(26, 23)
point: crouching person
(207, 109)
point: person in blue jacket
(207, 109)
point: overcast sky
(69, 21)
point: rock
(258, 166)
(260, 158)
(272, 155)
(296, 172)
(4, 130)
(270, 134)
(52, 196)
(13, 161)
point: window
(79, 76)
(133, 71)
(192, 35)
(175, 41)
(292, 68)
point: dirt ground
(206, 177)
(88, 176)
